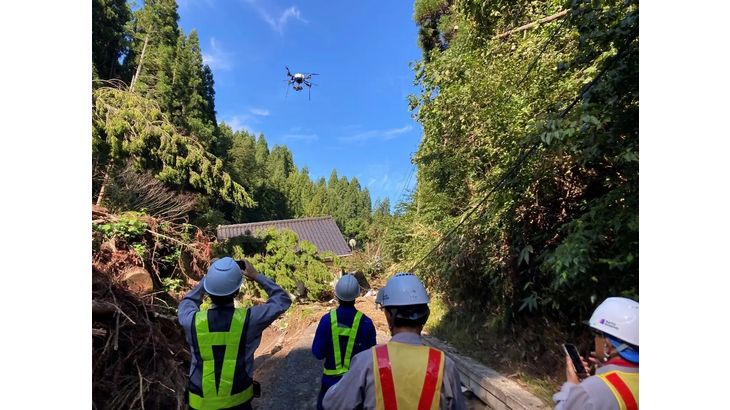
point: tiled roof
(321, 231)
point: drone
(298, 81)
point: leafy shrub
(139, 248)
(172, 284)
(129, 225)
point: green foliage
(154, 30)
(139, 248)
(128, 126)
(172, 258)
(283, 262)
(211, 218)
(428, 14)
(562, 233)
(108, 37)
(130, 225)
(170, 284)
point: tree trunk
(104, 183)
(139, 66)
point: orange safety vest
(624, 386)
(407, 374)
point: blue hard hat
(224, 277)
(347, 288)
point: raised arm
(278, 302)
(189, 306)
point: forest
(525, 207)
(158, 147)
(526, 197)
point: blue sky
(357, 121)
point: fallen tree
(139, 354)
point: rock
(138, 280)
(276, 348)
(301, 290)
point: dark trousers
(322, 392)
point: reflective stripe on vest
(221, 397)
(407, 374)
(624, 386)
(342, 365)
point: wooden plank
(497, 391)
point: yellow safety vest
(221, 397)
(624, 386)
(342, 366)
(407, 376)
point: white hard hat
(223, 278)
(347, 288)
(617, 317)
(401, 290)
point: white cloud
(300, 137)
(240, 123)
(391, 133)
(262, 112)
(384, 182)
(278, 23)
(216, 57)
(380, 134)
(390, 186)
(183, 4)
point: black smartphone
(572, 352)
(256, 389)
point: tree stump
(138, 280)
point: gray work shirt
(260, 317)
(357, 387)
(591, 394)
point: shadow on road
(289, 381)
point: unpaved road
(284, 365)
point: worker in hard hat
(223, 338)
(615, 385)
(404, 373)
(341, 333)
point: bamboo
(533, 24)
